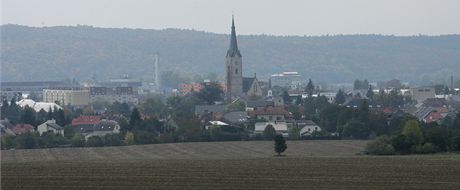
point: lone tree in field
(280, 144)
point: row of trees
(415, 139)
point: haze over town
(291, 17)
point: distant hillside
(53, 53)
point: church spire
(233, 49)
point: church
(236, 84)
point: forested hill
(56, 53)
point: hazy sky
(278, 17)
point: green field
(226, 165)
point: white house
(37, 106)
(104, 127)
(308, 127)
(50, 126)
(280, 127)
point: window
(236, 71)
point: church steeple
(233, 49)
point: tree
(211, 93)
(456, 142)
(94, 141)
(364, 112)
(401, 144)
(26, 141)
(112, 140)
(144, 137)
(269, 132)
(60, 117)
(286, 97)
(28, 116)
(340, 97)
(310, 88)
(294, 132)
(280, 144)
(129, 138)
(370, 93)
(438, 136)
(356, 129)
(413, 132)
(68, 131)
(135, 118)
(154, 106)
(381, 146)
(77, 140)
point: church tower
(234, 67)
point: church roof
(233, 49)
(247, 83)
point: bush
(400, 144)
(456, 143)
(95, 141)
(356, 129)
(381, 146)
(77, 140)
(426, 148)
(112, 140)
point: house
(5, 128)
(280, 128)
(433, 116)
(104, 127)
(236, 117)
(251, 86)
(307, 127)
(205, 109)
(210, 124)
(186, 89)
(270, 114)
(37, 106)
(22, 129)
(89, 120)
(252, 104)
(50, 126)
(422, 93)
(357, 102)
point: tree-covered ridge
(83, 51)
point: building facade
(67, 96)
(114, 94)
(286, 79)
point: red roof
(22, 128)
(388, 110)
(86, 120)
(433, 116)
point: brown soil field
(197, 150)
(226, 165)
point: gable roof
(22, 128)
(259, 103)
(200, 109)
(269, 111)
(37, 106)
(236, 117)
(247, 83)
(86, 120)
